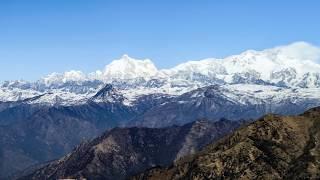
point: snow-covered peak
(287, 65)
(129, 68)
(301, 57)
(74, 76)
(58, 78)
(108, 94)
(296, 65)
(206, 67)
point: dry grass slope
(274, 147)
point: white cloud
(302, 51)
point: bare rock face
(274, 147)
(123, 152)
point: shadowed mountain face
(216, 102)
(274, 147)
(123, 152)
(52, 132)
(33, 133)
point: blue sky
(38, 37)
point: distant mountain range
(44, 120)
(55, 130)
(292, 66)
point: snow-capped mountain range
(43, 120)
(269, 73)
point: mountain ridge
(122, 152)
(273, 147)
